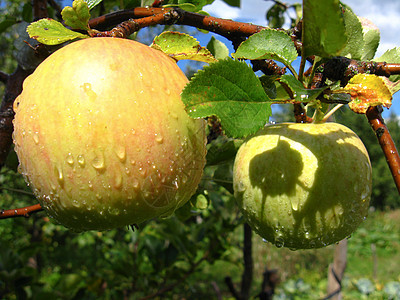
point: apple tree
(109, 133)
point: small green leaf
(354, 30)
(92, 3)
(181, 46)
(77, 16)
(299, 92)
(371, 39)
(268, 44)
(51, 32)
(324, 31)
(201, 202)
(217, 48)
(230, 90)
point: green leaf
(181, 46)
(324, 32)
(354, 30)
(391, 56)
(235, 3)
(371, 36)
(268, 44)
(92, 3)
(275, 15)
(299, 92)
(77, 16)
(51, 32)
(222, 149)
(7, 22)
(230, 90)
(217, 48)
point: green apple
(103, 138)
(303, 185)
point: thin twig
(20, 212)
(385, 140)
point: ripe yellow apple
(102, 135)
(303, 185)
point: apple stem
(20, 212)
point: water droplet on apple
(279, 242)
(120, 151)
(159, 138)
(59, 175)
(118, 181)
(35, 137)
(75, 203)
(81, 161)
(142, 172)
(70, 159)
(135, 183)
(98, 162)
(295, 204)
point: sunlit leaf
(230, 90)
(51, 32)
(324, 31)
(218, 48)
(354, 30)
(371, 39)
(181, 46)
(268, 44)
(77, 16)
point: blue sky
(385, 14)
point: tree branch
(230, 29)
(12, 90)
(4, 77)
(385, 140)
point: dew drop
(159, 138)
(59, 175)
(98, 162)
(135, 183)
(81, 161)
(120, 151)
(70, 159)
(279, 242)
(142, 172)
(295, 204)
(75, 203)
(118, 181)
(35, 137)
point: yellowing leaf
(368, 90)
(181, 46)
